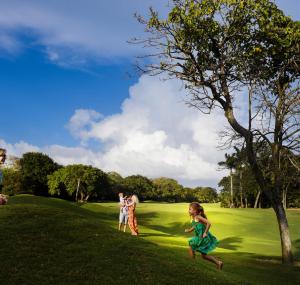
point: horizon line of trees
(38, 174)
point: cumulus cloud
(19, 148)
(155, 134)
(81, 123)
(61, 154)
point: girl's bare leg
(120, 225)
(191, 253)
(212, 259)
(125, 228)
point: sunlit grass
(51, 241)
(243, 230)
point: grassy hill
(51, 241)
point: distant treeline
(240, 188)
(36, 173)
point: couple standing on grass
(127, 213)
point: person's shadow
(231, 243)
(153, 235)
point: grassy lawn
(51, 241)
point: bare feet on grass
(220, 265)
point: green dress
(203, 245)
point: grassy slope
(50, 241)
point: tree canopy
(78, 181)
(34, 168)
(139, 185)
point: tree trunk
(231, 189)
(284, 195)
(78, 186)
(81, 196)
(257, 199)
(246, 202)
(241, 189)
(287, 256)
(286, 244)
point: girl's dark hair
(199, 209)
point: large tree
(139, 185)
(34, 169)
(79, 182)
(115, 184)
(218, 48)
(168, 189)
(205, 195)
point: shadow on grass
(170, 230)
(152, 235)
(144, 219)
(258, 269)
(296, 245)
(230, 243)
(83, 238)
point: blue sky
(56, 60)
(40, 96)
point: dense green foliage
(12, 182)
(93, 183)
(78, 180)
(115, 184)
(51, 241)
(82, 182)
(246, 191)
(167, 189)
(139, 185)
(34, 169)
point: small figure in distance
(123, 216)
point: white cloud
(81, 122)
(19, 148)
(72, 31)
(155, 134)
(75, 31)
(72, 155)
(9, 44)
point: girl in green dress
(203, 241)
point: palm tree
(231, 164)
(241, 160)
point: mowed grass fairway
(51, 241)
